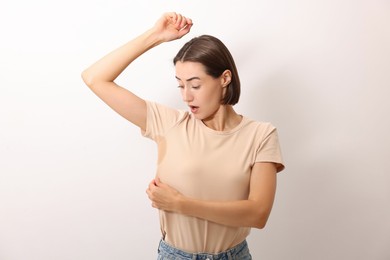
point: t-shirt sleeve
(269, 150)
(159, 119)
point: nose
(187, 95)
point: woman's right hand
(172, 26)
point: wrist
(154, 37)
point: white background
(73, 173)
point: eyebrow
(188, 79)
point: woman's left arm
(252, 212)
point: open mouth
(194, 109)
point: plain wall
(73, 174)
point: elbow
(260, 223)
(260, 219)
(88, 80)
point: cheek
(211, 98)
(217, 95)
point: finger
(185, 30)
(183, 22)
(179, 17)
(149, 195)
(172, 16)
(160, 184)
(150, 190)
(153, 183)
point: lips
(194, 109)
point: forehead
(187, 70)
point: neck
(224, 119)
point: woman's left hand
(163, 196)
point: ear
(226, 78)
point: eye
(180, 86)
(195, 87)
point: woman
(216, 174)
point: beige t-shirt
(208, 165)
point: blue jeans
(239, 252)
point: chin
(197, 116)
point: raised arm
(252, 212)
(101, 75)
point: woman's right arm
(101, 75)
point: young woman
(216, 174)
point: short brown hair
(216, 58)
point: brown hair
(216, 58)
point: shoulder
(161, 118)
(259, 126)
(159, 110)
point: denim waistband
(237, 252)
